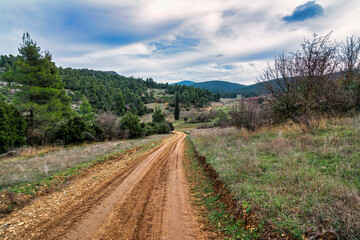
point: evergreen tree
(107, 103)
(41, 97)
(158, 116)
(131, 124)
(177, 107)
(119, 104)
(85, 109)
(12, 127)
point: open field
(25, 169)
(305, 182)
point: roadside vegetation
(210, 199)
(291, 156)
(303, 181)
(22, 170)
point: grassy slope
(305, 182)
(19, 171)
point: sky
(171, 41)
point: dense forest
(44, 104)
(109, 91)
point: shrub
(251, 115)
(202, 117)
(77, 130)
(109, 124)
(162, 128)
(12, 127)
(158, 116)
(130, 125)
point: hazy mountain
(185, 82)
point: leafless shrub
(350, 68)
(199, 118)
(303, 84)
(109, 123)
(213, 114)
(250, 115)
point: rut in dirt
(149, 199)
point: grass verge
(209, 192)
(304, 182)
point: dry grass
(306, 181)
(37, 163)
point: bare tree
(281, 84)
(301, 84)
(350, 68)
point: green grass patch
(216, 212)
(305, 182)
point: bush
(202, 117)
(158, 116)
(77, 130)
(162, 128)
(251, 115)
(130, 125)
(12, 127)
(109, 124)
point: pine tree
(85, 109)
(119, 104)
(158, 116)
(12, 127)
(177, 107)
(41, 97)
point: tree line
(41, 103)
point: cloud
(176, 45)
(172, 40)
(303, 12)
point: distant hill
(185, 82)
(227, 89)
(218, 86)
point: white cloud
(243, 34)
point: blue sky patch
(303, 12)
(179, 44)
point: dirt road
(147, 198)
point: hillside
(218, 86)
(226, 89)
(109, 91)
(185, 82)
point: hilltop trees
(43, 112)
(41, 96)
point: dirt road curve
(147, 199)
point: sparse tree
(302, 84)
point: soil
(137, 197)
